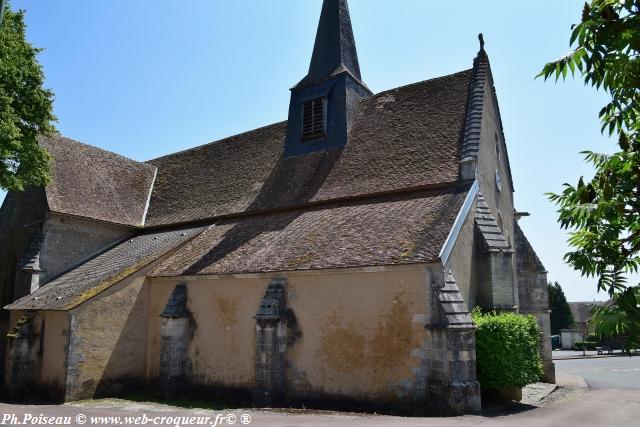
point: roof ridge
(226, 138)
(95, 147)
(409, 85)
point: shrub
(507, 350)
(594, 338)
(590, 345)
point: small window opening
(313, 119)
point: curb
(598, 356)
(571, 381)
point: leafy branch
(603, 215)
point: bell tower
(323, 103)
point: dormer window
(314, 119)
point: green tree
(603, 214)
(561, 316)
(26, 108)
(622, 317)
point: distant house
(582, 314)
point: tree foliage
(603, 214)
(507, 350)
(621, 317)
(25, 108)
(561, 316)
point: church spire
(335, 47)
(324, 103)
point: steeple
(324, 102)
(335, 47)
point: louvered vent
(313, 119)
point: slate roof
(103, 271)
(400, 139)
(97, 184)
(335, 46)
(391, 230)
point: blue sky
(145, 78)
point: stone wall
(340, 339)
(534, 297)
(70, 241)
(464, 262)
(500, 289)
(21, 219)
(107, 348)
(36, 356)
(492, 158)
(271, 345)
(175, 336)
(23, 354)
(450, 351)
(496, 290)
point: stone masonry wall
(69, 241)
(175, 336)
(271, 345)
(341, 339)
(534, 297)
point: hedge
(591, 345)
(507, 350)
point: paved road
(606, 373)
(614, 400)
(593, 408)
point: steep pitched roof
(391, 230)
(97, 184)
(402, 138)
(335, 48)
(100, 273)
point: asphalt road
(614, 400)
(621, 373)
(595, 408)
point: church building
(331, 260)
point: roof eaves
(308, 205)
(354, 268)
(107, 283)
